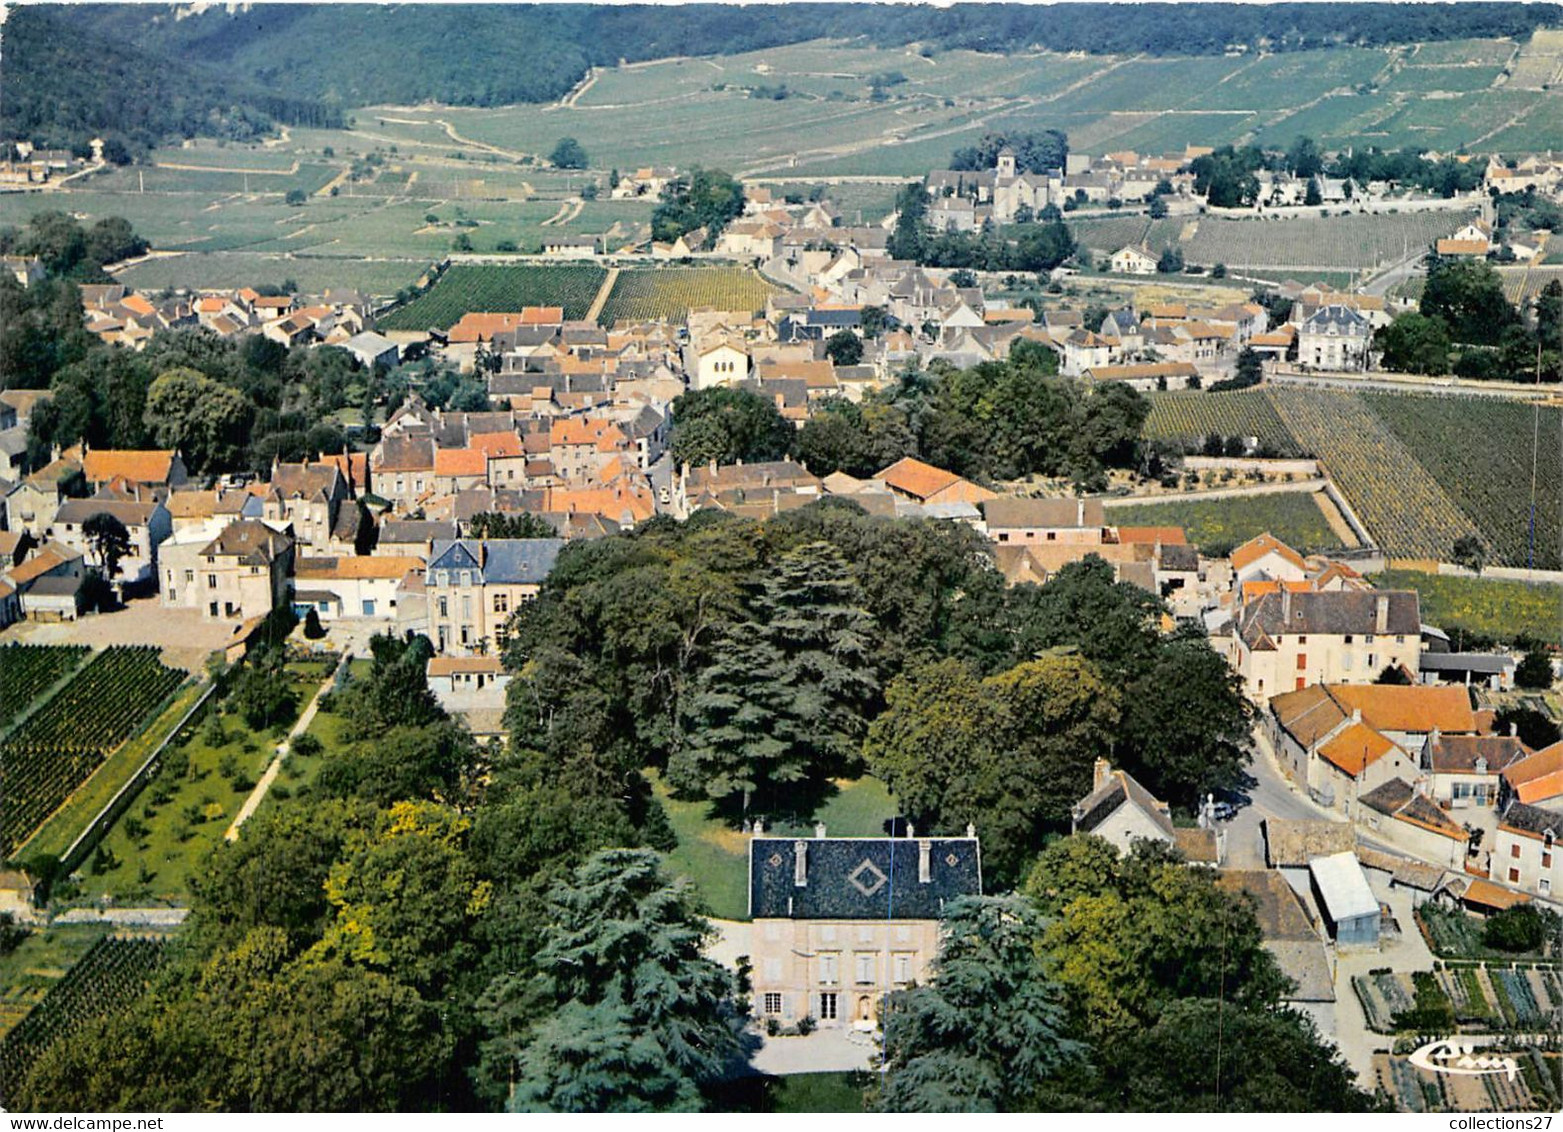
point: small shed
(1351, 911)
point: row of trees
(995, 421)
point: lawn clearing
(1218, 525)
(716, 857)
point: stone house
(839, 922)
(242, 573)
(474, 585)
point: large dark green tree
(641, 1020)
(986, 1032)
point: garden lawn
(715, 856)
(817, 1092)
(1218, 525)
(1493, 607)
(41, 960)
(181, 816)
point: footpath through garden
(306, 717)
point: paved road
(1396, 273)
(1269, 795)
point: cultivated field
(485, 287)
(672, 292)
(60, 744)
(1419, 470)
(1493, 607)
(1352, 243)
(1218, 525)
(1188, 418)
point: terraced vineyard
(1187, 418)
(672, 292)
(61, 744)
(28, 671)
(497, 287)
(107, 978)
(1479, 450)
(1408, 513)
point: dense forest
(65, 82)
(224, 72)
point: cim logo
(1458, 1059)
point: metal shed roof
(1343, 887)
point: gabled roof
(1018, 512)
(1398, 799)
(251, 541)
(1261, 545)
(510, 561)
(1120, 789)
(153, 466)
(1538, 776)
(1354, 748)
(1343, 887)
(914, 477)
(1459, 754)
(1410, 708)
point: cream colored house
(474, 585)
(242, 573)
(1121, 811)
(840, 922)
(1133, 260)
(721, 362)
(1525, 850)
(1285, 641)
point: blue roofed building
(839, 922)
(474, 585)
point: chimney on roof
(1381, 614)
(1356, 715)
(1100, 773)
(819, 829)
(800, 864)
(1079, 512)
(971, 831)
(1514, 729)
(1286, 605)
(924, 862)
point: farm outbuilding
(1350, 909)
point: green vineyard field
(497, 287)
(1187, 418)
(672, 292)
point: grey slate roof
(506, 561)
(1120, 788)
(1533, 819)
(860, 878)
(1331, 612)
(1337, 320)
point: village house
(314, 499)
(196, 514)
(472, 688)
(32, 503)
(1524, 850)
(1536, 780)
(1399, 812)
(711, 485)
(1334, 338)
(241, 574)
(403, 470)
(1466, 770)
(1121, 811)
(366, 586)
(1329, 750)
(913, 480)
(1014, 520)
(146, 522)
(474, 585)
(840, 922)
(44, 586)
(1133, 259)
(1284, 641)
(160, 470)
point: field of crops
(63, 742)
(1218, 525)
(1478, 449)
(28, 671)
(1492, 607)
(1335, 242)
(380, 278)
(672, 292)
(497, 287)
(1408, 513)
(107, 978)
(1188, 418)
